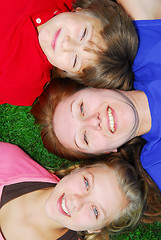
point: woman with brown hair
(87, 122)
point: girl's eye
(75, 61)
(86, 183)
(84, 34)
(81, 109)
(95, 211)
(85, 138)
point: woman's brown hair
(44, 109)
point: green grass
(17, 127)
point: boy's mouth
(55, 37)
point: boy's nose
(69, 44)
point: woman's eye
(84, 34)
(85, 138)
(95, 211)
(86, 183)
(81, 109)
(75, 61)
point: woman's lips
(55, 37)
(111, 120)
(61, 203)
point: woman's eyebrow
(71, 108)
(75, 141)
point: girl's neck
(35, 203)
(25, 216)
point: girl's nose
(78, 202)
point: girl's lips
(59, 204)
(55, 37)
(111, 120)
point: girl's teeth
(111, 120)
(63, 206)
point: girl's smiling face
(66, 37)
(86, 199)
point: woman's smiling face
(95, 120)
(86, 199)
(66, 37)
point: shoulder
(15, 163)
(142, 9)
(70, 234)
(65, 5)
(12, 153)
(149, 34)
(151, 161)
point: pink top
(16, 166)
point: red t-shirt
(24, 69)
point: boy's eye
(95, 211)
(75, 61)
(85, 138)
(86, 183)
(81, 109)
(84, 34)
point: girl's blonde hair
(133, 188)
(141, 192)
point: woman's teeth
(63, 206)
(111, 120)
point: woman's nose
(93, 121)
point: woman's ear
(94, 231)
(115, 150)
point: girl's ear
(75, 170)
(94, 231)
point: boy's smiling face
(67, 37)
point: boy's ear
(78, 8)
(94, 231)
